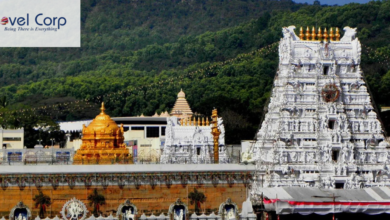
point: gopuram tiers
(320, 129)
(102, 142)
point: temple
(102, 142)
(320, 141)
(195, 140)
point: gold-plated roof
(102, 141)
(102, 121)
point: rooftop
(136, 168)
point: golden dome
(102, 122)
(102, 141)
(181, 94)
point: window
(326, 70)
(137, 128)
(125, 128)
(146, 145)
(12, 139)
(163, 131)
(198, 151)
(152, 132)
(335, 155)
(331, 124)
(339, 185)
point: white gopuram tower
(320, 129)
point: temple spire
(102, 108)
(181, 109)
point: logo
(52, 24)
(4, 21)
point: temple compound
(102, 142)
(321, 148)
(131, 190)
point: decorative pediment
(178, 210)
(20, 206)
(127, 211)
(228, 210)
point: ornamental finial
(301, 33)
(337, 34)
(331, 34)
(307, 33)
(102, 108)
(313, 34)
(325, 34)
(319, 34)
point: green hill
(136, 55)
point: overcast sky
(332, 2)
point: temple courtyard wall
(151, 188)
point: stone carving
(320, 119)
(191, 141)
(349, 35)
(74, 209)
(178, 210)
(228, 210)
(127, 211)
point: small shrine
(195, 140)
(102, 142)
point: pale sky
(333, 2)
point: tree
(42, 201)
(96, 200)
(196, 198)
(3, 102)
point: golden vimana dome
(101, 122)
(102, 142)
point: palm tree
(42, 201)
(196, 198)
(96, 200)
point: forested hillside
(136, 55)
(113, 30)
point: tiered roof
(181, 109)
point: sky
(332, 2)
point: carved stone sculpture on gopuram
(102, 142)
(321, 129)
